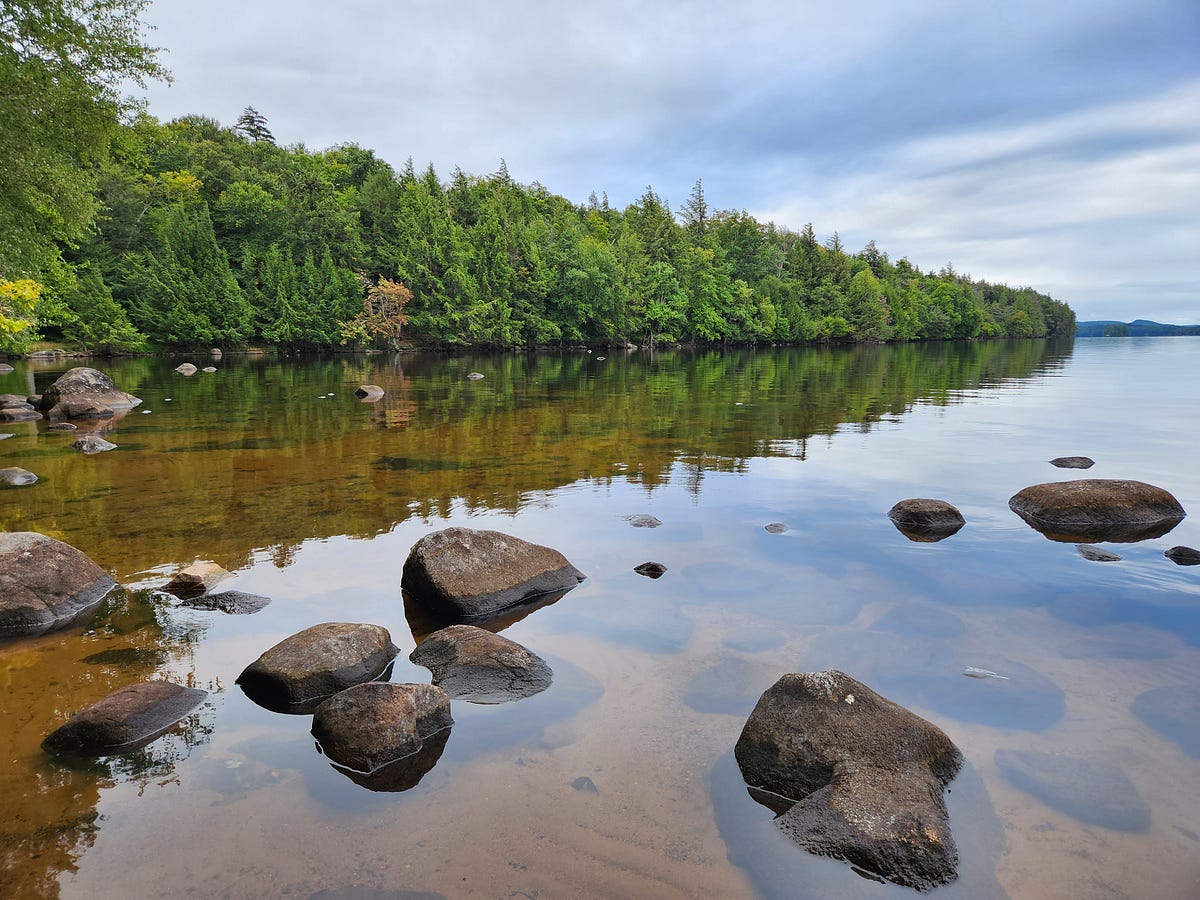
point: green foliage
(63, 64)
(18, 300)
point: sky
(1053, 143)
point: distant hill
(1136, 328)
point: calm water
(274, 470)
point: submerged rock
(1097, 509)
(482, 667)
(91, 444)
(45, 584)
(926, 521)
(1093, 792)
(369, 392)
(368, 726)
(651, 569)
(1096, 554)
(1073, 462)
(302, 670)
(643, 521)
(234, 603)
(461, 573)
(196, 579)
(863, 776)
(15, 476)
(83, 393)
(126, 719)
(402, 775)
(1183, 556)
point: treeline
(215, 236)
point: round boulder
(1098, 509)
(461, 573)
(300, 671)
(186, 369)
(482, 667)
(15, 476)
(926, 521)
(126, 719)
(370, 725)
(863, 776)
(45, 584)
(84, 393)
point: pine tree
(253, 125)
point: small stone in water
(776, 528)
(583, 783)
(643, 521)
(973, 672)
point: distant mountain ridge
(1136, 328)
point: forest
(214, 236)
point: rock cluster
(83, 393)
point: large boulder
(84, 393)
(1091, 510)
(300, 671)
(45, 584)
(482, 667)
(370, 725)
(924, 520)
(126, 719)
(460, 573)
(862, 776)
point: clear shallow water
(315, 500)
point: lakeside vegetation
(191, 234)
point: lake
(619, 780)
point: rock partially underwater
(861, 778)
(299, 672)
(482, 667)
(1093, 510)
(45, 584)
(462, 574)
(926, 521)
(125, 720)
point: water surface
(618, 780)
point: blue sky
(1053, 143)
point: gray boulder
(300, 671)
(84, 393)
(926, 521)
(482, 667)
(1098, 509)
(126, 719)
(371, 725)
(45, 584)
(91, 444)
(186, 369)
(642, 520)
(863, 776)
(460, 573)
(14, 476)
(1183, 556)
(1093, 792)
(1073, 462)
(17, 409)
